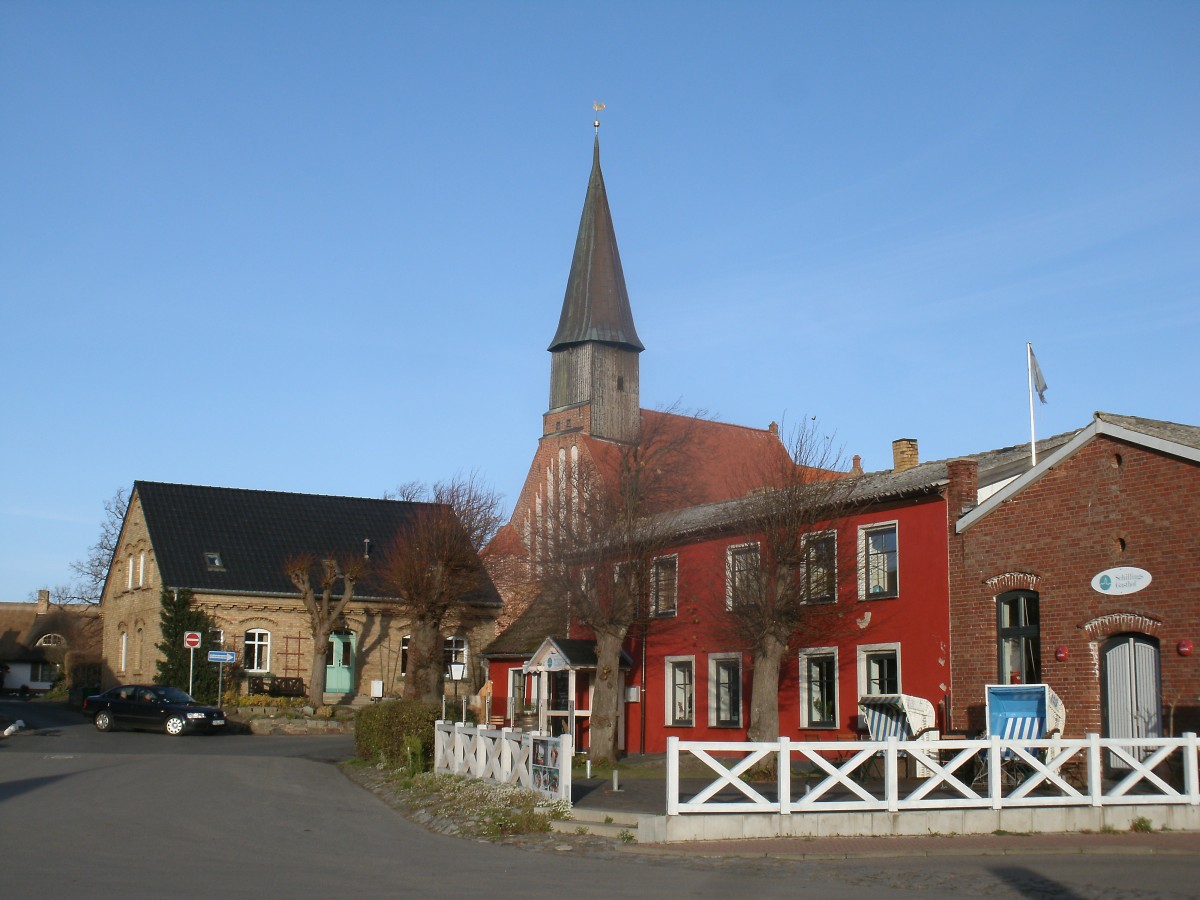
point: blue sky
(322, 247)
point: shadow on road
(1028, 883)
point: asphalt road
(131, 815)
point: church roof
(596, 305)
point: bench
(275, 687)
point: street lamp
(457, 670)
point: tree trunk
(606, 698)
(764, 692)
(425, 678)
(316, 678)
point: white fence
(865, 776)
(503, 756)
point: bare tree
(92, 570)
(432, 567)
(318, 582)
(617, 514)
(777, 585)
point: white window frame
(805, 540)
(129, 573)
(142, 569)
(732, 552)
(263, 655)
(451, 650)
(713, 659)
(654, 586)
(807, 654)
(864, 532)
(866, 650)
(404, 643)
(669, 664)
(123, 648)
(50, 639)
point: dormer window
(213, 562)
(50, 640)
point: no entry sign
(191, 639)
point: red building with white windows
(938, 577)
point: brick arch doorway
(1130, 689)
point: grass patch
(1141, 825)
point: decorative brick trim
(1014, 581)
(1103, 627)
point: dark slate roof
(596, 305)
(256, 532)
(1187, 435)
(877, 487)
(582, 654)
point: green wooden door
(339, 664)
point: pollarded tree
(432, 568)
(778, 581)
(318, 581)
(614, 517)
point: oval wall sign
(1121, 580)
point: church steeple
(596, 305)
(594, 361)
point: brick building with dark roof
(230, 546)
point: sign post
(220, 657)
(191, 640)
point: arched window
(124, 649)
(257, 650)
(51, 640)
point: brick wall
(1110, 504)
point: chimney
(963, 491)
(856, 469)
(774, 428)
(904, 454)
(43, 606)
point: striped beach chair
(902, 716)
(1024, 712)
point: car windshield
(173, 695)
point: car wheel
(174, 725)
(103, 720)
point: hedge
(396, 731)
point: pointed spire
(596, 305)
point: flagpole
(1029, 371)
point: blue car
(151, 706)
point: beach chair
(1023, 711)
(902, 716)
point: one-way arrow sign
(222, 656)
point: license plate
(218, 721)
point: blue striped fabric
(886, 717)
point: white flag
(1039, 380)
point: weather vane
(597, 106)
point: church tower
(594, 354)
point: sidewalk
(647, 796)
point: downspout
(642, 689)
